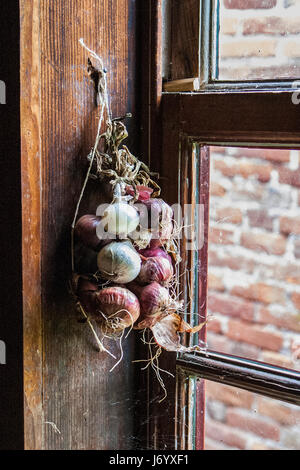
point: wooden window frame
(222, 113)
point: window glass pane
(254, 254)
(259, 39)
(240, 420)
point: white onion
(120, 218)
(119, 262)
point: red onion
(86, 231)
(113, 308)
(152, 252)
(158, 269)
(155, 302)
(156, 215)
(144, 193)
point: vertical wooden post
(72, 400)
(11, 372)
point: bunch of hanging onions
(130, 287)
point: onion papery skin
(115, 305)
(120, 219)
(86, 231)
(156, 269)
(153, 252)
(156, 215)
(143, 193)
(119, 262)
(154, 298)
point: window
(248, 132)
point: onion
(118, 308)
(143, 192)
(119, 262)
(85, 231)
(152, 252)
(113, 308)
(156, 215)
(155, 303)
(154, 299)
(120, 218)
(141, 238)
(157, 268)
(165, 332)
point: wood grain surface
(185, 18)
(72, 400)
(11, 327)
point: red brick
(215, 283)
(296, 300)
(291, 48)
(291, 177)
(259, 426)
(224, 434)
(233, 262)
(261, 292)
(245, 350)
(228, 26)
(290, 225)
(277, 359)
(214, 326)
(228, 395)
(217, 189)
(288, 273)
(297, 249)
(229, 215)
(247, 4)
(256, 335)
(261, 446)
(295, 349)
(272, 155)
(256, 193)
(269, 243)
(220, 236)
(230, 306)
(210, 444)
(219, 343)
(244, 169)
(257, 73)
(218, 149)
(283, 414)
(260, 218)
(248, 48)
(271, 25)
(285, 320)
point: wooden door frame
(11, 330)
(239, 116)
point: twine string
(104, 103)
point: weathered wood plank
(31, 194)
(84, 406)
(185, 24)
(11, 373)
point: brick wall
(259, 39)
(254, 288)
(254, 254)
